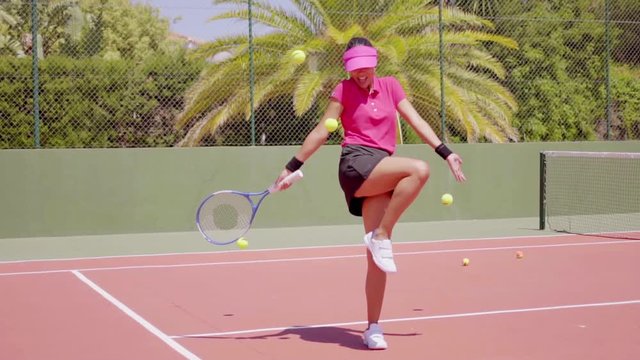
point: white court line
(277, 249)
(304, 247)
(337, 257)
(139, 319)
(419, 318)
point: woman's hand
(455, 164)
(282, 185)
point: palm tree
(57, 19)
(406, 34)
(9, 44)
(484, 8)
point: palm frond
(473, 38)
(343, 37)
(271, 16)
(486, 127)
(394, 48)
(413, 18)
(7, 18)
(307, 89)
(214, 87)
(477, 59)
(233, 106)
(195, 133)
(454, 16)
(314, 14)
(271, 82)
(460, 109)
(227, 43)
(494, 104)
(482, 85)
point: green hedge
(94, 102)
(16, 103)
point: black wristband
(443, 151)
(294, 164)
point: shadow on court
(344, 337)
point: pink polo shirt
(369, 118)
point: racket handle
(290, 179)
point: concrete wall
(105, 191)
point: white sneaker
(382, 253)
(373, 338)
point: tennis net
(590, 193)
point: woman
(377, 186)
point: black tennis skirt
(356, 164)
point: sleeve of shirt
(338, 92)
(397, 92)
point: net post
(36, 74)
(252, 115)
(543, 180)
(443, 114)
(608, 66)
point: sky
(190, 18)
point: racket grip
(290, 179)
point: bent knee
(421, 170)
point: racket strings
(226, 217)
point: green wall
(107, 191)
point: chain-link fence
(110, 73)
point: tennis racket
(225, 216)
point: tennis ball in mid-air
(446, 199)
(298, 56)
(242, 243)
(519, 254)
(465, 262)
(331, 124)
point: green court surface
(16, 249)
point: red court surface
(570, 297)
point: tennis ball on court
(298, 56)
(465, 262)
(242, 243)
(519, 254)
(446, 199)
(331, 124)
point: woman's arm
(316, 138)
(422, 128)
(426, 133)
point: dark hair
(358, 41)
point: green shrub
(94, 102)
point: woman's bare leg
(373, 210)
(404, 178)
(389, 190)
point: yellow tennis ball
(298, 56)
(242, 243)
(465, 262)
(331, 124)
(446, 199)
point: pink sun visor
(359, 57)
